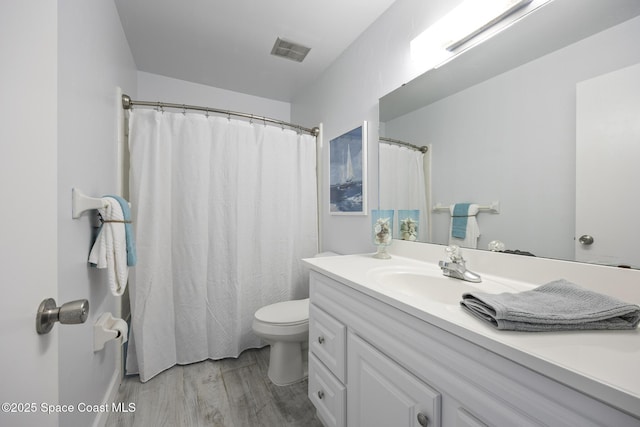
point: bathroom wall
(153, 87)
(347, 93)
(93, 59)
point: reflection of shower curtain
(402, 183)
(223, 212)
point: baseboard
(110, 396)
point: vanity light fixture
(475, 17)
(469, 19)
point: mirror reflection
(548, 141)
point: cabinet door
(382, 393)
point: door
(382, 393)
(607, 172)
(28, 220)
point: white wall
(153, 87)
(517, 144)
(93, 59)
(347, 93)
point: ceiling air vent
(289, 50)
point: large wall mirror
(543, 118)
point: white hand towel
(472, 231)
(110, 248)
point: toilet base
(286, 363)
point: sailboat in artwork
(348, 177)
(346, 193)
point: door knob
(585, 239)
(70, 313)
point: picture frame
(348, 172)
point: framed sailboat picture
(348, 172)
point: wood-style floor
(223, 393)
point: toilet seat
(286, 313)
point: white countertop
(602, 364)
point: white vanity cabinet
(373, 364)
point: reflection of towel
(132, 257)
(556, 306)
(459, 220)
(110, 248)
(471, 229)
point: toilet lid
(286, 312)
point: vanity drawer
(327, 394)
(327, 340)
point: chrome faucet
(456, 268)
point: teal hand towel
(556, 306)
(132, 256)
(459, 220)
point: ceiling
(227, 44)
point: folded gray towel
(556, 306)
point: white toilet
(285, 327)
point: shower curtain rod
(423, 149)
(128, 104)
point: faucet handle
(453, 252)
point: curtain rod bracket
(126, 102)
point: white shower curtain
(402, 183)
(223, 212)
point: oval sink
(429, 283)
(420, 283)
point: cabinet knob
(423, 420)
(321, 394)
(321, 339)
(586, 240)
